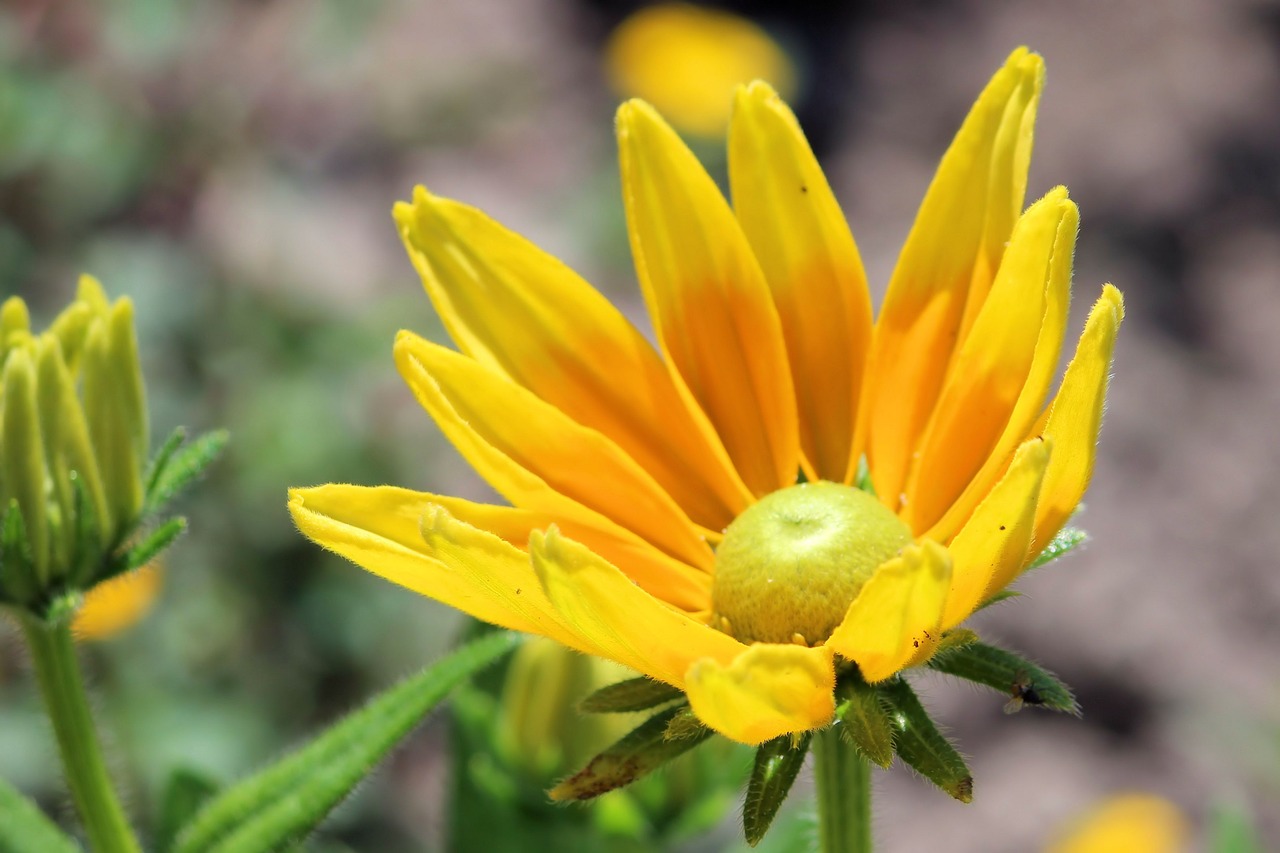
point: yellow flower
(686, 60)
(118, 604)
(640, 479)
(1126, 823)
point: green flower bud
(23, 478)
(113, 404)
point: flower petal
(1073, 421)
(946, 268)
(991, 549)
(560, 338)
(381, 530)
(767, 691)
(536, 456)
(896, 618)
(989, 374)
(796, 229)
(710, 305)
(621, 621)
(117, 604)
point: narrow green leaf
(864, 721)
(1067, 540)
(184, 794)
(1002, 595)
(637, 754)
(18, 581)
(284, 802)
(1026, 683)
(24, 829)
(777, 764)
(920, 744)
(154, 544)
(160, 461)
(184, 466)
(634, 694)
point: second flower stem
(53, 655)
(843, 781)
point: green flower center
(792, 563)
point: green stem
(54, 657)
(843, 781)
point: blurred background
(232, 165)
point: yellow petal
(948, 262)
(767, 691)
(560, 338)
(536, 456)
(381, 530)
(621, 621)
(117, 604)
(896, 618)
(1073, 421)
(796, 229)
(992, 547)
(990, 372)
(710, 305)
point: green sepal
(643, 750)
(279, 805)
(919, 743)
(777, 764)
(685, 725)
(180, 467)
(160, 461)
(634, 694)
(863, 477)
(185, 793)
(1024, 682)
(1067, 540)
(864, 721)
(24, 829)
(1002, 595)
(956, 638)
(18, 581)
(155, 543)
(87, 553)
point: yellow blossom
(627, 466)
(1126, 823)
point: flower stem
(843, 781)
(54, 657)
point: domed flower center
(792, 563)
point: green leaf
(864, 721)
(160, 461)
(184, 794)
(777, 764)
(183, 466)
(634, 694)
(643, 750)
(1024, 682)
(18, 581)
(24, 829)
(284, 802)
(685, 725)
(154, 544)
(1067, 540)
(920, 744)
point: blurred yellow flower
(117, 604)
(645, 484)
(686, 60)
(1126, 823)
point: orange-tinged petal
(991, 368)
(535, 455)
(1131, 822)
(896, 618)
(992, 547)
(767, 691)
(711, 308)
(522, 313)
(623, 622)
(801, 238)
(1073, 421)
(949, 260)
(381, 530)
(117, 604)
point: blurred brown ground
(274, 138)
